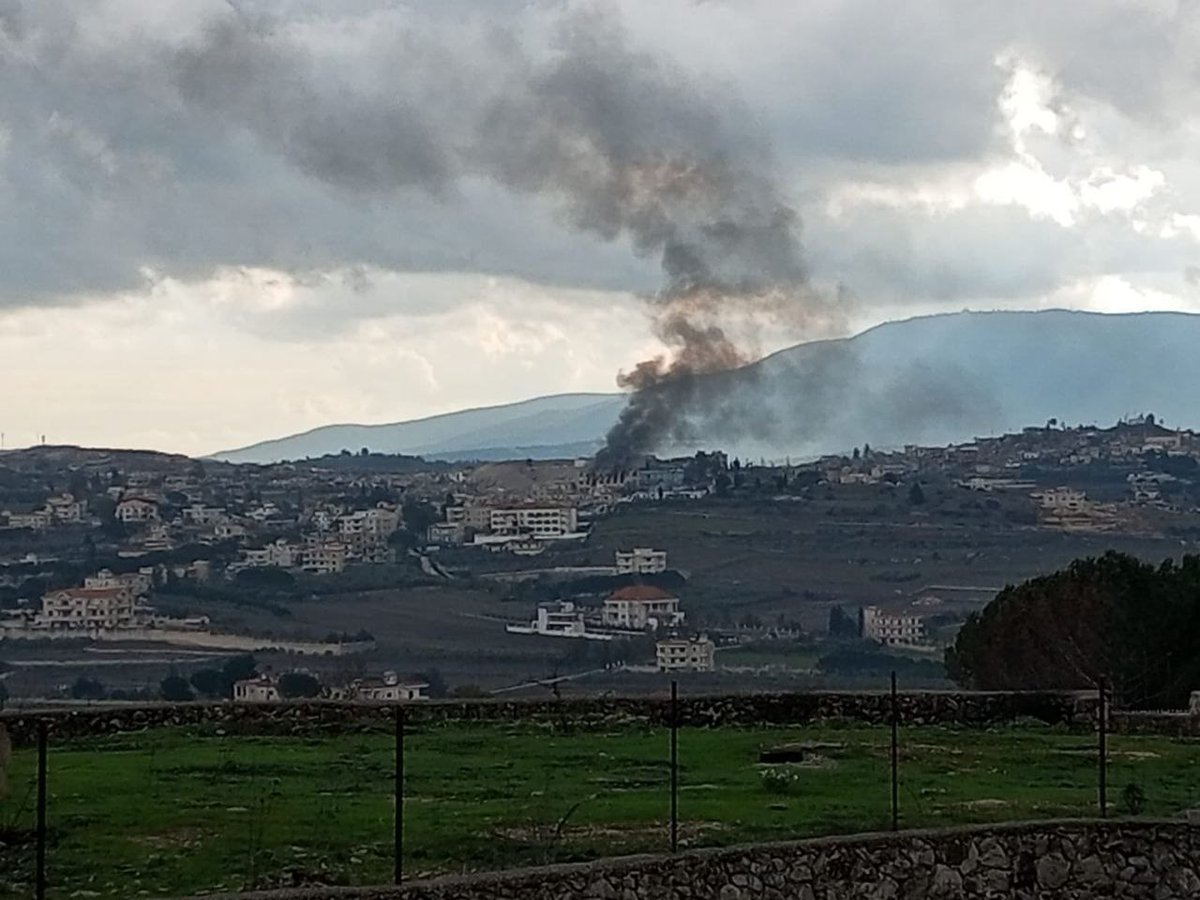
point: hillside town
(128, 547)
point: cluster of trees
(213, 684)
(1113, 617)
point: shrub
(1133, 799)
(778, 780)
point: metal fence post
(895, 756)
(398, 835)
(41, 810)
(1102, 762)
(674, 767)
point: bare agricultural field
(796, 558)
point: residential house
(641, 561)
(136, 510)
(87, 609)
(260, 689)
(278, 553)
(640, 607)
(138, 583)
(694, 654)
(66, 510)
(388, 689)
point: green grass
(172, 812)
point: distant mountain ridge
(932, 380)
(542, 428)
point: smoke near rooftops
(624, 145)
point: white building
(538, 521)
(36, 520)
(261, 689)
(1062, 499)
(892, 629)
(324, 557)
(87, 609)
(66, 509)
(199, 514)
(560, 620)
(388, 689)
(641, 561)
(639, 607)
(138, 583)
(695, 654)
(137, 509)
(277, 553)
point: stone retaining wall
(918, 708)
(1069, 860)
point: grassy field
(172, 812)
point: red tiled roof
(641, 592)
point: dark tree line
(1114, 617)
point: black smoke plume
(625, 145)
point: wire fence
(193, 810)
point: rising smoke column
(624, 145)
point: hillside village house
(561, 619)
(388, 689)
(1061, 499)
(640, 607)
(277, 553)
(199, 514)
(260, 689)
(694, 654)
(66, 509)
(87, 609)
(324, 557)
(137, 583)
(136, 509)
(37, 520)
(641, 561)
(365, 532)
(892, 629)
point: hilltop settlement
(526, 574)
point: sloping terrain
(929, 380)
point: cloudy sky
(227, 220)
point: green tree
(3, 694)
(1114, 617)
(916, 494)
(841, 625)
(298, 684)
(85, 688)
(239, 668)
(211, 683)
(175, 689)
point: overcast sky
(228, 221)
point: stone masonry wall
(1069, 860)
(917, 708)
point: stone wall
(918, 708)
(1070, 860)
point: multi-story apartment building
(471, 518)
(66, 509)
(538, 521)
(87, 609)
(892, 629)
(641, 561)
(324, 557)
(695, 654)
